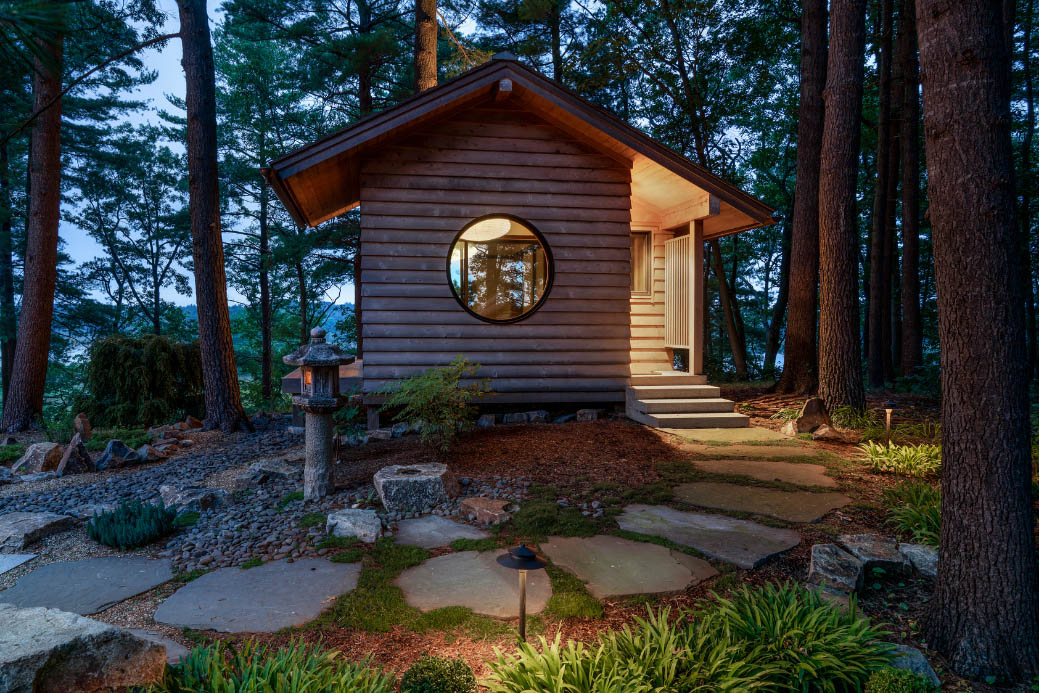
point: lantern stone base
(317, 469)
(413, 487)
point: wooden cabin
(509, 220)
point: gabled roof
(321, 180)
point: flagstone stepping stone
(743, 543)
(765, 470)
(432, 531)
(88, 586)
(18, 530)
(259, 600)
(174, 650)
(474, 580)
(791, 506)
(756, 452)
(728, 435)
(10, 561)
(613, 567)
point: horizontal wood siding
(648, 350)
(416, 195)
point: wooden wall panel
(417, 193)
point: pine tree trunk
(910, 163)
(841, 382)
(879, 228)
(776, 319)
(266, 374)
(1027, 181)
(890, 295)
(220, 377)
(425, 44)
(555, 39)
(799, 375)
(983, 616)
(364, 63)
(729, 309)
(8, 321)
(301, 285)
(23, 407)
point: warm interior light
(306, 376)
(487, 230)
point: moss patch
(570, 599)
(312, 520)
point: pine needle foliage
(435, 403)
(142, 381)
(132, 524)
(253, 668)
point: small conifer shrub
(132, 524)
(438, 675)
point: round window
(500, 269)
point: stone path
(750, 451)
(434, 531)
(728, 435)
(9, 561)
(765, 470)
(743, 543)
(20, 529)
(262, 599)
(613, 567)
(88, 586)
(791, 506)
(473, 580)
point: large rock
(833, 567)
(273, 468)
(363, 524)
(116, 456)
(924, 559)
(52, 651)
(912, 659)
(876, 551)
(18, 530)
(75, 459)
(82, 427)
(433, 531)
(791, 506)
(39, 457)
(829, 433)
(263, 599)
(147, 453)
(174, 650)
(812, 416)
(88, 586)
(194, 498)
(415, 486)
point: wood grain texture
(417, 194)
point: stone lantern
(319, 398)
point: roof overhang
(321, 180)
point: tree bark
(910, 163)
(877, 313)
(776, 319)
(364, 63)
(841, 382)
(890, 325)
(23, 407)
(555, 40)
(8, 320)
(266, 375)
(1027, 182)
(220, 377)
(729, 308)
(983, 616)
(799, 375)
(425, 44)
(301, 285)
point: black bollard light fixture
(522, 559)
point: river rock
(486, 421)
(39, 457)
(7, 476)
(363, 524)
(116, 456)
(414, 486)
(47, 650)
(588, 414)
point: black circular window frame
(548, 260)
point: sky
(170, 81)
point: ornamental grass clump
(253, 668)
(915, 507)
(132, 524)
(911, 460)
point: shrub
(435, 403)
(10, 454)
(912, 460)
(222, 668)
(133, 438)
(142, 381)
(536, 519)
(786, 414)
(187, 519)
(132, 524)
(889, 680)
(850, 417)
(915, 507)
(438, 675)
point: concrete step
(673, 378)
(700, 420)
(682, 406)
(673, 391)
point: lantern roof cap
(318, 353)
(522, 558)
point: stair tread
(676, 400)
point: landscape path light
(319, 398)
(522, 559)
(888, 426)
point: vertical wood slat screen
(677, 292)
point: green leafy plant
(132, 524)
(336, 542)
(133, 438)
(570, 598)
(288, 498)
(187, 519)
(916, 507)
(537, 519)
(438, 675)
(254, 562)
(435, 403)
(348, 556)
(11, 453)
(852, 418)
(253, 668)
(890, 680)
(312, 520)
(911, 460)
(786, 414)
